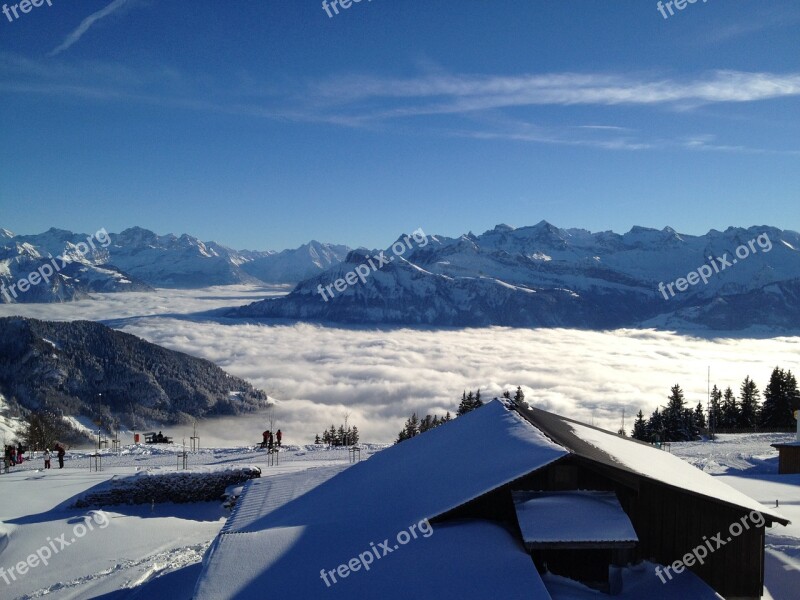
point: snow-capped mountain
(547, 276)
(138, 259)
(175, 262)
(186, 262)
(293, 266)
(57, 266)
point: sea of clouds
(380, 376)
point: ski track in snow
(151, 567)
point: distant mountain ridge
(138, 260)
(85, 368)
(545, 276)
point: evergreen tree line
(343, 436)
(469, 402)
(677, 423)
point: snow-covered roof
(267, 494)
(572, 518)
(282, 552)
(641, 459)
(469, 559)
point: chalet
(505, 502)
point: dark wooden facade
(788, 458)
(669, 522)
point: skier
(47, 458)
(20, 452)
(269, 442)
(265, 435)
(278, 437)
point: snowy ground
(154, 552)
(749, 464)
(150, 551)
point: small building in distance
(789, 453)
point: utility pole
(710, 408)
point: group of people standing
(271, 441)
(14, 456)
(60, 452)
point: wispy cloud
(440, 94)
(471, 106)
(87, 23)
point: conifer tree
(640, 428)
(715, 414)
(655, 427)
(699, 417)
(469, 402)
(730, 410)
(749, 398)
(779, 400)
(410, 430)
(690, 424)
(676, 427)
(519, 396)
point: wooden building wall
(668, 522)
(789, 459)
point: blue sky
(266, 124)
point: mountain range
(139, 260)
(545, 276)
(85, 368)
(537, 276)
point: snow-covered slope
(291, 266)
(57, 266)
(546, 276)
(137, 258)
(172, 261)
(8, 424)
